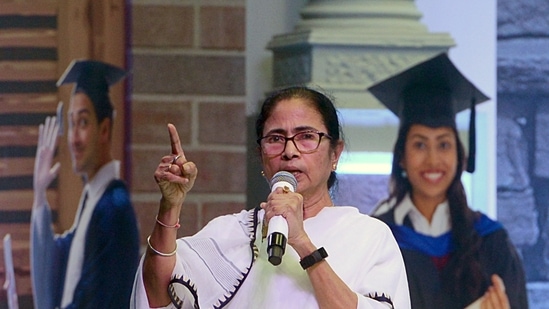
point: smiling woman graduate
(454, 256)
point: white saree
(225, 264)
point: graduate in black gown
(455, 257)
(91, 265)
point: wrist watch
(313, 258)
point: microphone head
(284, 176)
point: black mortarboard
(431, 93)
(94, 79)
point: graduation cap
(94, 79)
(431, 93)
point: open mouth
(433, 176)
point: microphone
(278, 227)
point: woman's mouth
(433, 176)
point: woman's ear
(338, 149)
(402, 164)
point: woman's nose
(290, 149)
(433, 156)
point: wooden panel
(21, 200)
(18, 135)
(45, 103)
(42, 38)
(28, 70)
(44, 8)
(114, 51)
(16, 167)
(19, 232)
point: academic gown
(497, 256)
(111, 255)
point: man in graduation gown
(91, 265)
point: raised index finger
(175, 141)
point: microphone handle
(276, 241)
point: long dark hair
(467, 281)
(321, 102)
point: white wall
(264, 19)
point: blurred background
(206, 65)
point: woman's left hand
(290, 206)
(495, 297)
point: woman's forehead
(294, 114)
(426, 131)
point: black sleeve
(502, 258)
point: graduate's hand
(44, 172)
(495, 297)
(175, 175)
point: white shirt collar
(439, 225)
(105, 174)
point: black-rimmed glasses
(305, 142)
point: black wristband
(313, 258)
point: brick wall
(188, 69)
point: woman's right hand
(175, 175)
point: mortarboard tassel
(472, 139)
